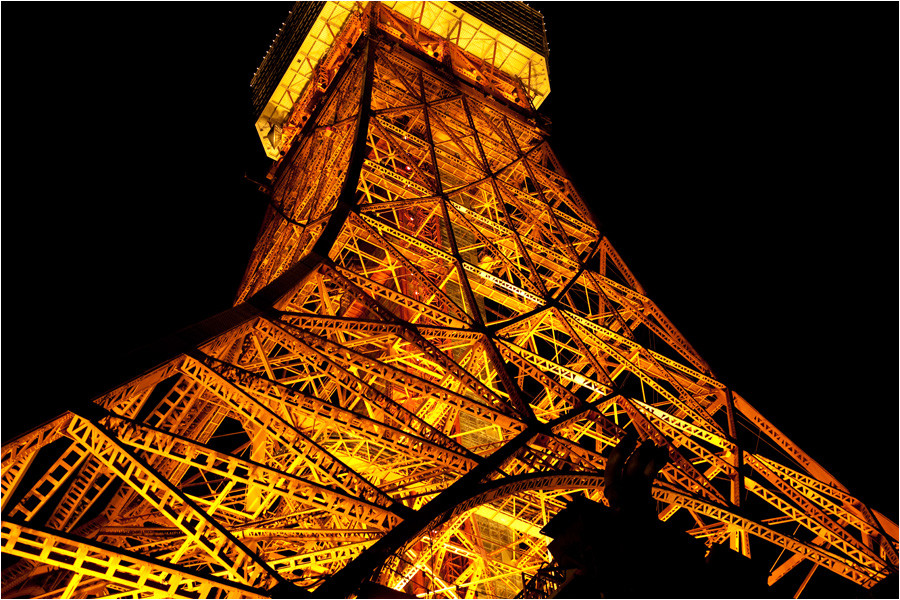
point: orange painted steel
(429, 300)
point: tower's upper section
(500, 47)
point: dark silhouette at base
(625, 551)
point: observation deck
(499, 47)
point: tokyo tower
(434, 357)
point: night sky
(741, 158)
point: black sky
(741, 157)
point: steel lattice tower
(432, 350)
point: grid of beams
(453, 351)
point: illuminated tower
(432, 352)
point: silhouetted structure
(624, 551)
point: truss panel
(442, 349)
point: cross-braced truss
(433, 349)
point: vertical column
(739, 541)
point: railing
(548, 579)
